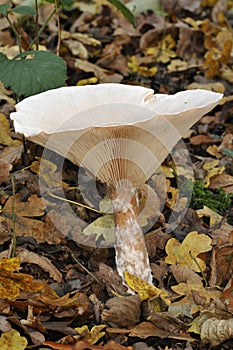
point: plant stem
(37, 26)
(13, 243)
(18, 37)
(59, 28)
(42, 28)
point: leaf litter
(67, 295)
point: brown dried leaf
(5, 172)
(227, 295)
(33, 207)
(147, 329)
(111, 279)
(184, 274)
(123, 311)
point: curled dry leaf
(123, 311)
(215, 331)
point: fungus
(120, 134)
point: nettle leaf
(4, 8)
(124, 10)
(31, 76)
(24, 10)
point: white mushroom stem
(131, 252)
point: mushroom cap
(115, 131)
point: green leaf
(24, 10)
(28, 77)
(4, 8)
(124, 10)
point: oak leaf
(185, 253)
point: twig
(37, 26)
(13, 242)
(76, 203)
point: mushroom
(120, 134)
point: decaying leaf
(122, 311)
(186, 253)
(12, 340)
(93, 335)
(215, 331)
(144, 289)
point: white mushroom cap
(115, 131)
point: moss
(216, 200)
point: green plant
(216, 200)
(35, 71)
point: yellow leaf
(92, 80)
(11, 283)
(185, 253)
(211, 169)
(12, 340)
(215, 218)
(93, 335)
(144, 289)
(5, 133)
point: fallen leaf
(12, 340)
(215, 331)
(122, 311)
(5, 172)
(144, 289)
(11, 282)
(5, 133)
(195, 294)
(227, 295)
(93, 335)
(33, 207)
(186, 253)
(148, 329)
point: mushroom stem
(131, 252)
